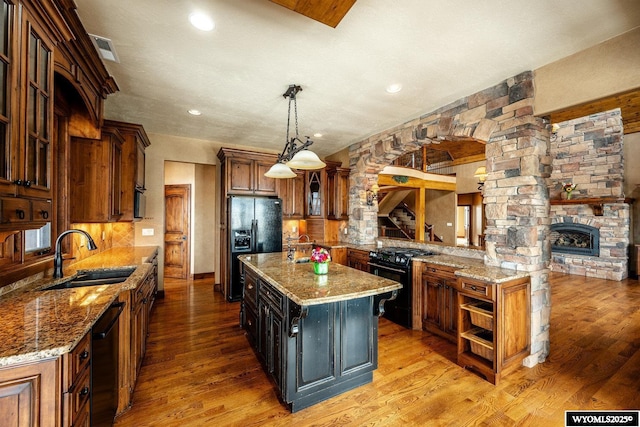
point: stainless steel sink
(94, 278)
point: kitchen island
(316, 335)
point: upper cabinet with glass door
(7, 98)
(26, 104)
(35, 174)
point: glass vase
(321, 267)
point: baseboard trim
(200, 276)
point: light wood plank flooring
(199, 369)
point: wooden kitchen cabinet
(133, 333)
(243, 172)
(22, 214)
(76, 383)
(135, 141)
(27, 116)
(327, 192)
(494, 326)
(439, 300)
(338, 193)
(358, 259)
(26, 110)
(338, 254)
(96, 178)
(291, 191)
(30, 394)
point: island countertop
(300, 284)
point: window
(37, 242)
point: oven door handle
(384, 267)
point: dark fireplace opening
(575, 239)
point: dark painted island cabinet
(311, 352)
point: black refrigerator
(255, 226)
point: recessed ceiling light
(201, 21)
(317, 135)
(195, 112)
(394, 88)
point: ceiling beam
(328, 12)
(628, 102)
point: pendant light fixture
(295, 153)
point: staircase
(396, 219)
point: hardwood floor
(199, 369)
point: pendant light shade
(295, 153)
(306, 159)
(280, 170)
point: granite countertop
(41, 324)
(474, 268)
(298, 282)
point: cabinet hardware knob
(44, 214)
(473, 288)
(84, 355)
(250, 286)
(27, 183)
(84, 391)
(20, 213)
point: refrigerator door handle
(254, 235)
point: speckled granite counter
(40, 324)
(474, 268)
(302, 286)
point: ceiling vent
(105, 47)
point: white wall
(606, 69)
(170, 148)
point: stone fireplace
(577, 239)
(590, 233)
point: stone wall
(515, 192)
(588, 152)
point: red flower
(320, 255)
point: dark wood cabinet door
(291, 191)
(263, 185)
(239, 176)
(29, 395)
(432, 302)
(450, 309)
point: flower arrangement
(568, 188)
(320, 255)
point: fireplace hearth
(577, 239)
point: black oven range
(395, 263)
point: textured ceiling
(236, 74)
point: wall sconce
(372, 194)
(481, 175)
(554, 131)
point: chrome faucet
(57, 258)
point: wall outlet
(346, 231)
(294, 229)
(147, 232)
(449, 224)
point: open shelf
(481, 313)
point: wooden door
(177, 201)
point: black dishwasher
(104, 366)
